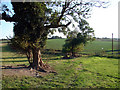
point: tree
(56, 37)
(76, 40)
(33, 21)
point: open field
(97, 44)
(95, 47)
(82, 72)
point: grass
(82, 72)
(98, 45)
(9, 57)
(90, 48)
(55, 44)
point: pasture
(99, 46)
(88, 71)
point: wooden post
(112, 43)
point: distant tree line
(55, 37)
(2, 39)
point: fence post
(112, 43)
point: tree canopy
(76, 40)
(33, 21)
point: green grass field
(97, 46)
(55, 44)
(94, 46)
(82, 72)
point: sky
(104, 21)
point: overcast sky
(103, 20)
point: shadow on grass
(111, 50)
(12, 57)
(20, 66)
(15, 68)
(52, 52)
(53, 59)
(114, 57)
(16, 61)
(7, 48)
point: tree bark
(37, 60)
(29, 56)
(73, 53)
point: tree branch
(73, 6)
(63, 11)
(56, 26)
(7, 18)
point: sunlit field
(87, 71)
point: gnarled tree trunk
(29, 57)
(37, 60)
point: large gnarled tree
(33, 21)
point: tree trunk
(29, 56)
(37, 60)
(73, 53)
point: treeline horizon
(60, 37)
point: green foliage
(55, 37)
(73, 45)
(33, 21)
(19, 44)
(32, 18)
(28, 28)
(76, 40)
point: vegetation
(34, 20)
(55, 37)
(98, 44)
(82, 72)
(76, 40)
